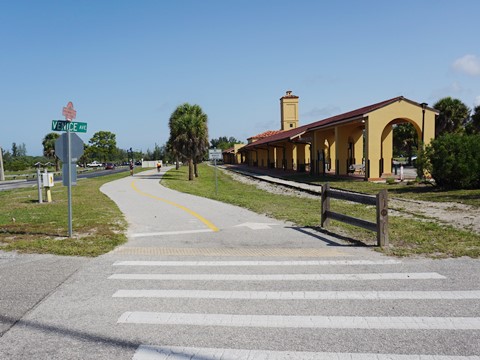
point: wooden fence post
(325, 205)
(382, 218)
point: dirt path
(460, 216)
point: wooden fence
(380, 201)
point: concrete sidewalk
(159, 217)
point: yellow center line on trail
(191, 212)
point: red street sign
(69, 112)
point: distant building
(360, 139)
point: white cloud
(469, 64)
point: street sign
(69, 154)
(72, 126)
(215, 154)
(69, 112)
(61, 147)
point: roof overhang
(339, 122)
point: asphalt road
(199, 279)
(17, 184)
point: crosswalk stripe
(150, 352)
(295, 321)
(300, 295)
(258, 263)
(279, 277)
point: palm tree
(200, 136)
(49, 148)
(189, 134)
(454, 115)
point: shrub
(17, 164)
(455, 161)
(423, 164)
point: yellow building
(283, 148)
(361, 139)
(232, 155)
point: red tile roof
(265, 134)
(280, 135)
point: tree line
(17, 159)
(102, 147)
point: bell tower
(288, 111)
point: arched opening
(406, 141)
(399, 145)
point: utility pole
(2, 173)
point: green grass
(98, 224)
(407, 236)
(240, 194)
(417, 191)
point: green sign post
(71, 126)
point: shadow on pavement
(70, 333)
(85, 336)
(151, 176)
(343, 241)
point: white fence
(151, 163)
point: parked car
(95, 164)
(109, 166)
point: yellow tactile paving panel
(167, 251)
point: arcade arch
(362, 136)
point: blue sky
(126, 65)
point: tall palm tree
(189, 134)
(200, 136)
(49, 148)
(453, 117)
